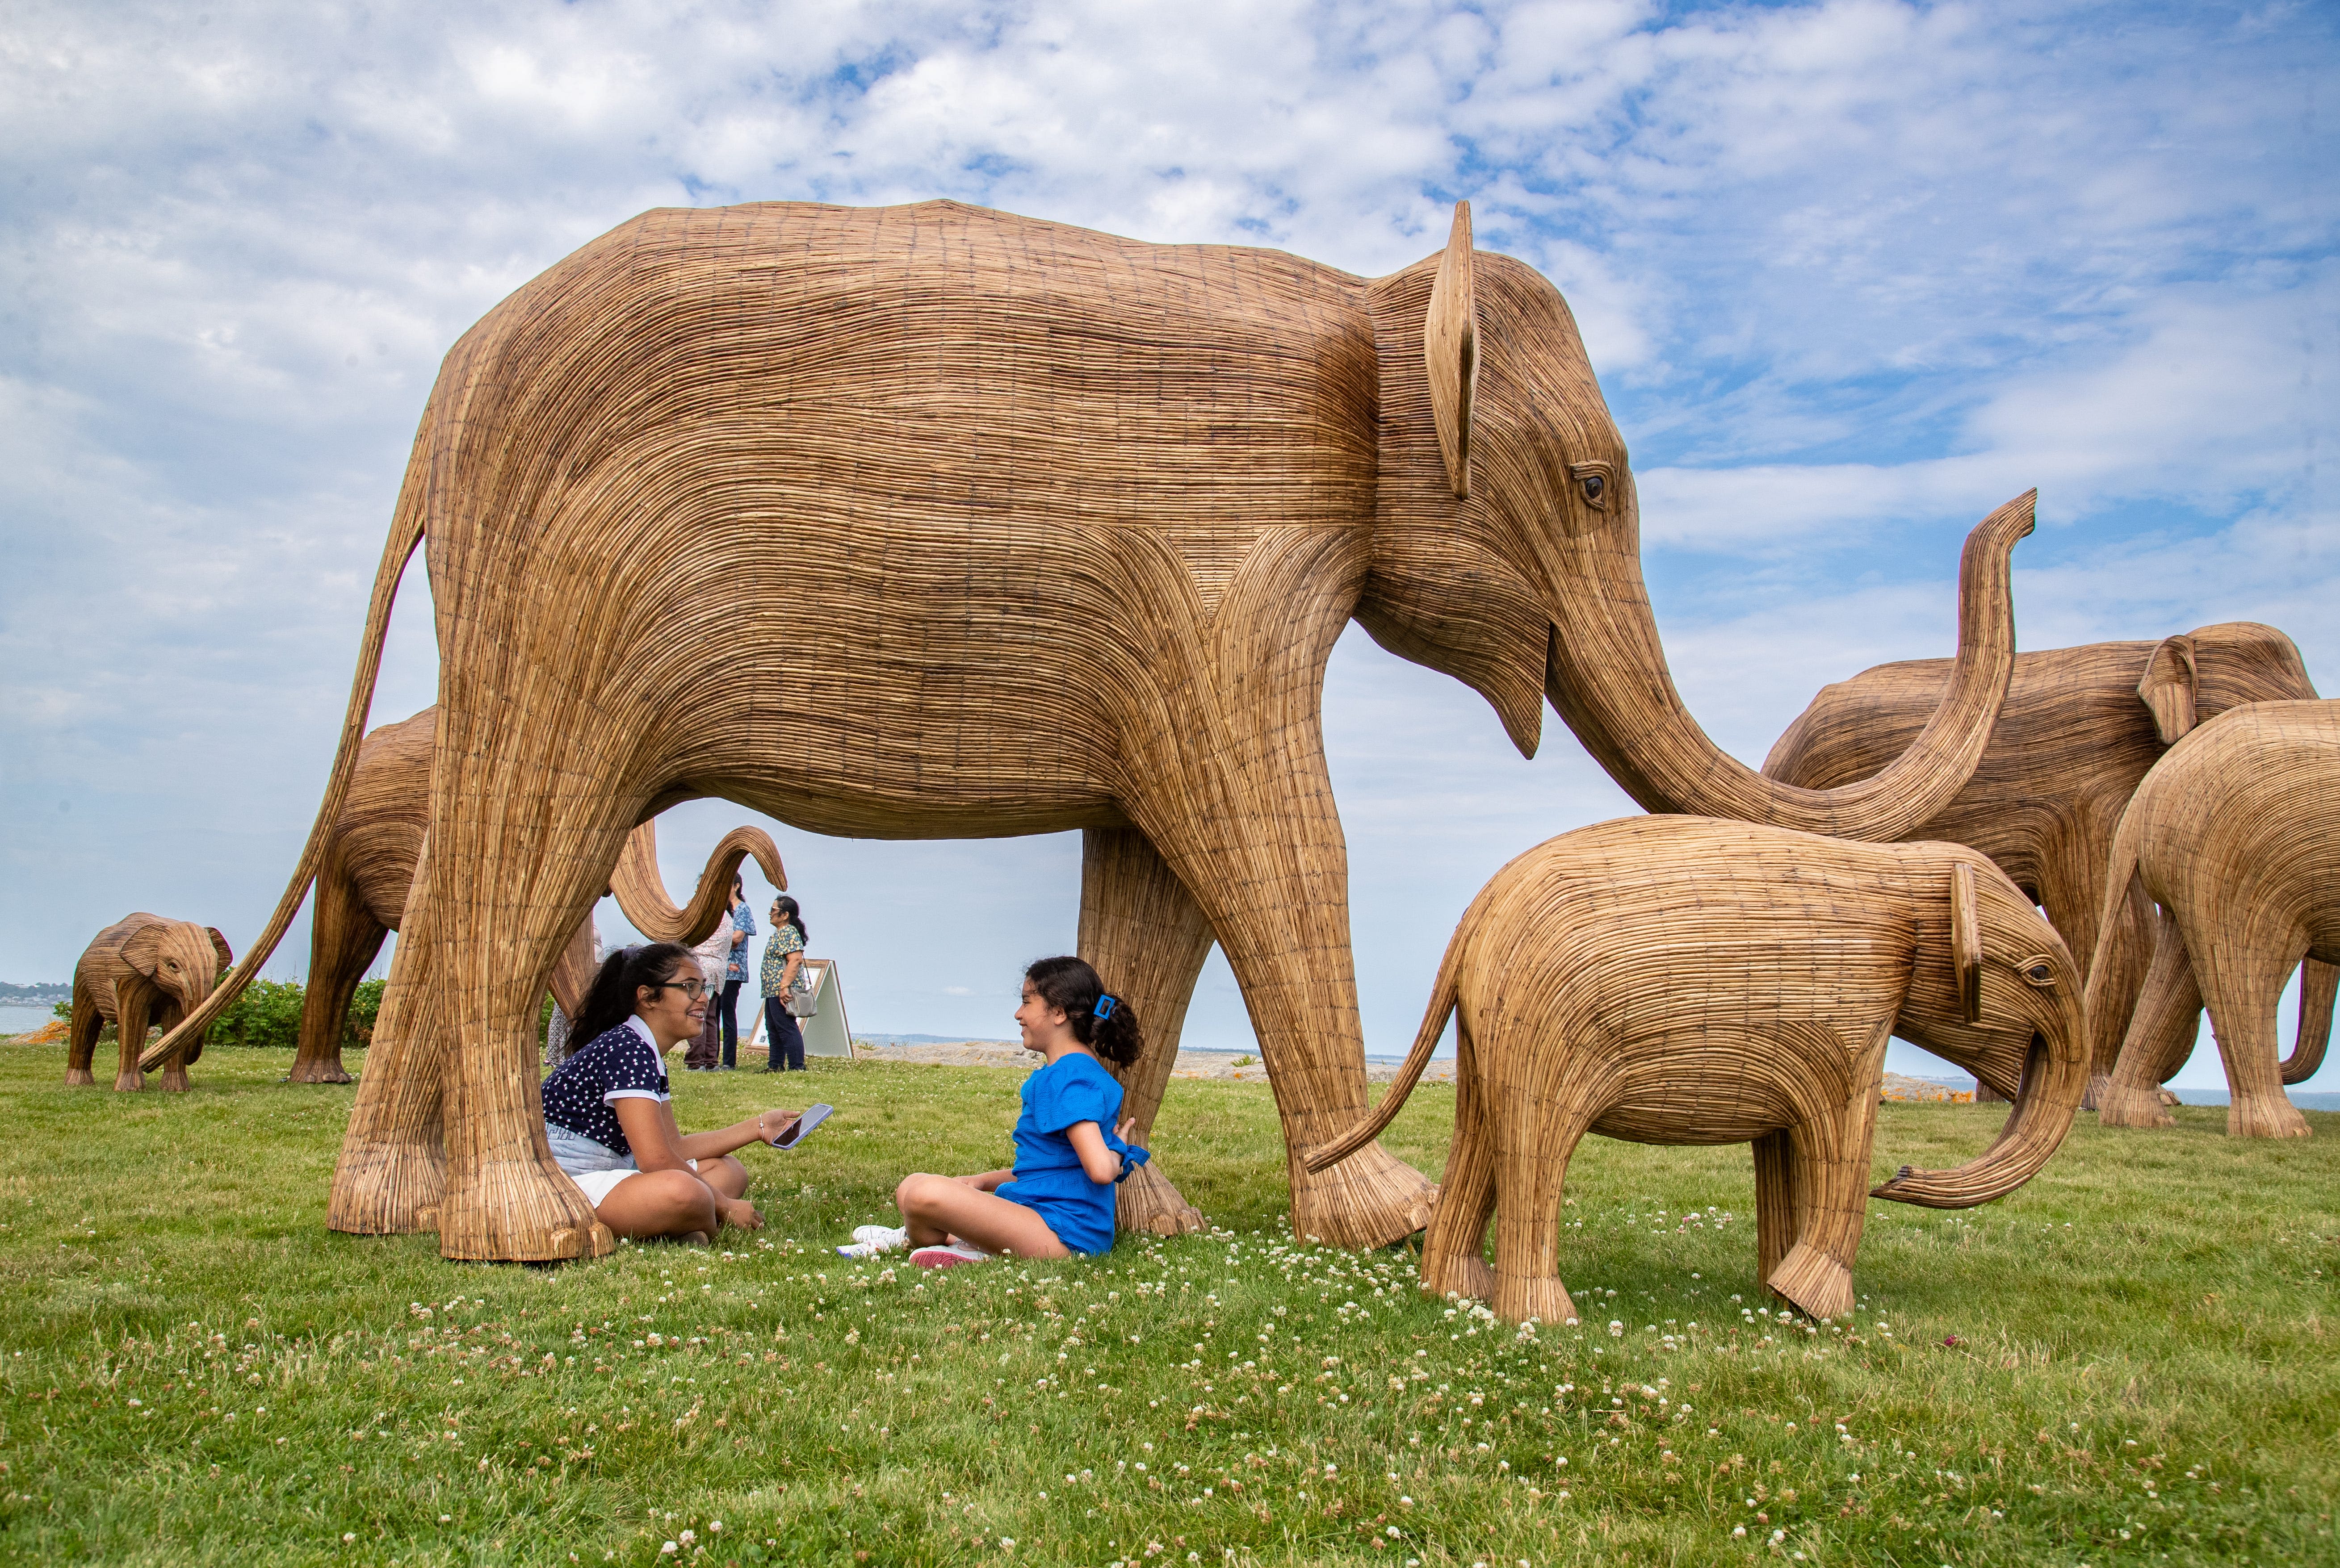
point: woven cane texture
(139, 973)
(2077, 733)
(928, 522)
(368, 867)
(2235, 834)
(1685, 981)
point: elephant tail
(2318, 981)
(1442, 996)
(405, 534)
(640, 890)
(2105, 1005)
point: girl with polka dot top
(609, 1111)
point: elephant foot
(1148, 1202)
(517, 1211)
(1370, 1200)
(130, 1083)
(1812, 1282)
(1472, 1278)
(1519, 1297)
(387, 1188)
(325, 1072)
(2125, 1105)
(2167, 1098)
(80, 1077)
(2093, 1097)
(2271, 1116)
(174, 1078)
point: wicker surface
(1683, 981)
(2079, 729)
(2235, 834)
(142, 972)
(929, 521)
(368, 867)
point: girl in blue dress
(1058, 1199)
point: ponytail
(612, 1001)
(1103, 1022)
(788, 913)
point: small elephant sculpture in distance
(142, 969)
(2235, 834)
(1686, 981)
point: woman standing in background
(783, 958)
(742, 924)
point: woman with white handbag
(786, 997)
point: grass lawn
(2130, 1360)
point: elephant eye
(1591, 483)
(2039, 972)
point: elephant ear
(227, 958)
(1450, 345)
(2168, 687)
(144, 949)
(1966, 941)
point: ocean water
(22, 1017)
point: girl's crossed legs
(676, 1202)
(936, 1208)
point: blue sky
(1851, 274)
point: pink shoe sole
(948, 1257)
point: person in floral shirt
(783, 958)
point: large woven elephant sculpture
(929, 521)
(141, 971)
(1682, 981)
(2235, 834)
(367, 867)
(2080, 730)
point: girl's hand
(1128, 1131)
(740, 1212)
(773, 1125)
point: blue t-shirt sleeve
(1066, 1098)
(635, 1071)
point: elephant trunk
(2045, 1103)
(640, 890)
(2319, 982)
(1607, 676)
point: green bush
(268, 1015)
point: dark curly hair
(1071, 984)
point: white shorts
(596, 1169)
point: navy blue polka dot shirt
(620, 1063)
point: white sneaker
(949, 1256)
(872, 1240)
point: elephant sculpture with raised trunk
(367, 868)
(1090, 514)
(1682, 981)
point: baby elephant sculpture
(2236, 833)
(142, 969)
(1687, 981)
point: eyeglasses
(693, 989)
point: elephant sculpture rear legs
(347, 937)
(81, 1041)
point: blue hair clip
(1104, 1006)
